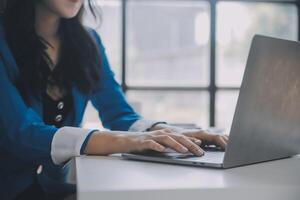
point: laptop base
(211, 159)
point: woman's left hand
(199, 136)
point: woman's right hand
(102, 143)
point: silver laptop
(266, 124)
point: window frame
(212, 88)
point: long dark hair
(80, 61)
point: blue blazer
(25, 141)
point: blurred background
(183, 61)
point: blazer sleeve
(22, 131)
(114, 111)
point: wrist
(157, 126)
(102, 143)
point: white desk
(111, 178)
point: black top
(55, 111)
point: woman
(50, 66)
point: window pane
(168, 43)
(91, 118)
(173, 107)
(109, 29)
(237, 22)
(226, 103)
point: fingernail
(184, 150)
(200, 152)
(161, 148)
(198, 142)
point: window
(183, 60)
(173, 106)
(237, 23)
(167, 43)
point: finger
(190, 145)
(152, 145)
(201, 135)
(218, 140)
(170, 142)
(208, 138)
(226, 138)
(224, 143)
(195, 140)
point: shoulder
(96, 37)
(93, 33)
(90, 30)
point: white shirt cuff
(67, 142)
(142, 125)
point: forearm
(106, 143)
